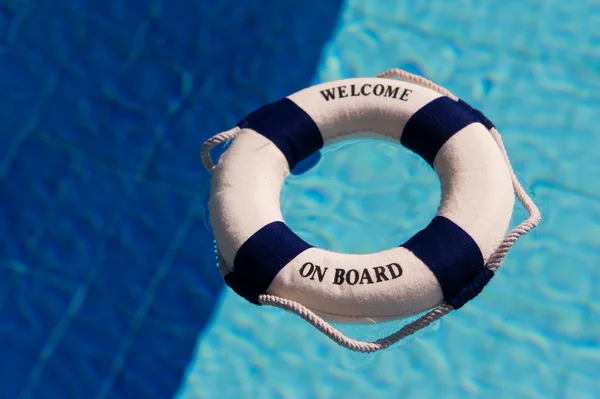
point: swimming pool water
(107, 280)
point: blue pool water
(107, 280)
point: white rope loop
(344, 341)
(494, 262)
(421, 81)
(222, 137)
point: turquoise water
(107, 280)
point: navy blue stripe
(262, 256)
(451, 254)
(431, 126)
(486, 122)
(290, 128)
(472, 290)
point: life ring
(445, 263)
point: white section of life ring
(477, 195)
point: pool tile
(152, 218)
(177, 158)
(188, 294)
(84, 356)
(29, 191)
(102, 126)
(30, 310)
(167, 362)
(148, 83)
(72, 243)
(75, 238)
(21, 76)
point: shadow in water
(106, 262)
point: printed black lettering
(404, 96)
(339, 276)
(362, 89)
(354, 279)
(391, 92)
(352, 276)
(319, 272)
(395, 270)
(328, 94)
(366, 90)
(366, 276)
(380, 274)
(306, 269)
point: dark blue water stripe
(431, 126)
(451, 254)
(261, 257)
(291, 129)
